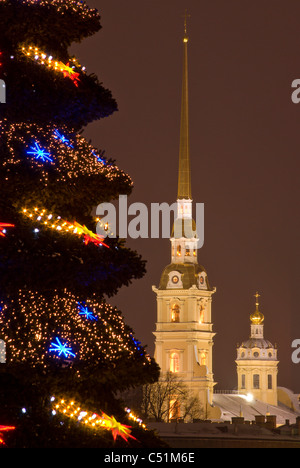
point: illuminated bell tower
(184, 330)
(257, 364)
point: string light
(73, 155)
(56, 223)
(72, 410)
(135, 418)
(78, 7)
(137, 344)
(30, 322)
(40, 57)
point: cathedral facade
(184, 335)
(257, 364)
(184, 329)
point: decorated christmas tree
(58, 333)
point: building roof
(260, 343)
(189, 274)
(232, 405)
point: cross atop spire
(257, 318)
(257, 296)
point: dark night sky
(245, 143)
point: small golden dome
(257, 318)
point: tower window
(174, 363)
(203, 305)
(179, 251)
(256, 381)
(243, 381)
(203, 359)
(201, 316)
(270, 382)
(175, 314)
(187, 252)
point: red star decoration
(97, 241)
(89, 236)
(4, 226)
(70, 73)
(5, 429)
(117, 429)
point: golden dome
(257, 318)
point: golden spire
(257, 318)
(184, 178)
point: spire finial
(186, 17)
(257, 318)
(257, 303)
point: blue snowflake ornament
(39, 153)
(61, 349)
(84, 311)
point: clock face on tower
(175, 279)
(202, 281)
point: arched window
(179, 251)
(175, 314)
(203, 305)
(243, 381)
(270, 382)
(203, 358)
(174, 363)
(256, 381)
